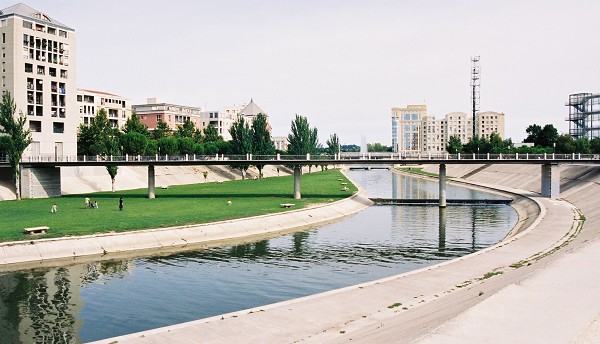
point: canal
(92, 301)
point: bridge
(549, 163)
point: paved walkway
(489, 296)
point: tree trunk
(17, 185)
(112, 181)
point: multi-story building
(221, 120)
(407, 124)
(414, 131)
(174, 115)
(38, 69)
(489, 122)
(118, 109)
(247, 111)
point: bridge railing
(314, 157)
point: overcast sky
(342, 64)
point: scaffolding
(584, 115)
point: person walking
(54, 209)
(120, 203)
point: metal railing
(348, 157)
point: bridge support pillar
(550, 181)
(151, 182)
(297, 174)
(442, 181)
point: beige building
(174, 115)
(38, 69)
(118, 109)
(221, 120)
(413, 131)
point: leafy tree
(378, 147)
(595, 145)
(211, 134)
(151, 148)
(583, 146)
(565, 144)
(19, 138)
(261, 139)
(543, 137)
(477, 145)
(333, 144)
(187, 129)
(162, 130)
(134, 125)
(186, 145)
(134, 143)
(241, 141)
(454, 145)
(303, 139)
(168, 146)
(211, 148)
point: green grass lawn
(177, 205)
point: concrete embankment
(511, 292)
(402, 308)
(17, 255)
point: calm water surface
(104, 299)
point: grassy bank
(177, 205)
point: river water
(98, 300)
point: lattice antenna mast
(475, 84)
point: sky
(343, 64)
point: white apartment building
(413, 131)
(38, 69)
(221, 120)
(118, 109)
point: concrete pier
(151, 182)
(550, 181)
(297, 174)
(442, 182)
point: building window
(27, 25)
(3, 37)
(62, 33)
(58, 127)
(35, 126)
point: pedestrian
(54, 209)
(121, 203)
(95, 205)
(87, 202)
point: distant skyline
(341, 63)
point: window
(63, 73)
(51, 30)
(41, 70)
(28, 68)
(79, 98)
(58, 127)
(27, 24)
(62, 33)
(35, 126)
(3, 37)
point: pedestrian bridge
(549, 163)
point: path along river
(91, 301)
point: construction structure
(584, 115)
(475, 84)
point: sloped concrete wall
(40, 182)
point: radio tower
(475, 84)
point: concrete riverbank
(515, 291)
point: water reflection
(89, 301)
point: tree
(543, 137)
(168, 146)
(303, 139)
(186, 145)
(333, 144)
(565, 144)
(187, 129)
(477, 145)
(134, 125)
(241, 141)
(19, 138)
(583, 146)
(595, 145)
(378, 147)
(261, 139)
(211, 134)
(162, 130)
(134, 143)
(454, 145)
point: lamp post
(554, 151)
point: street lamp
(554, 151)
